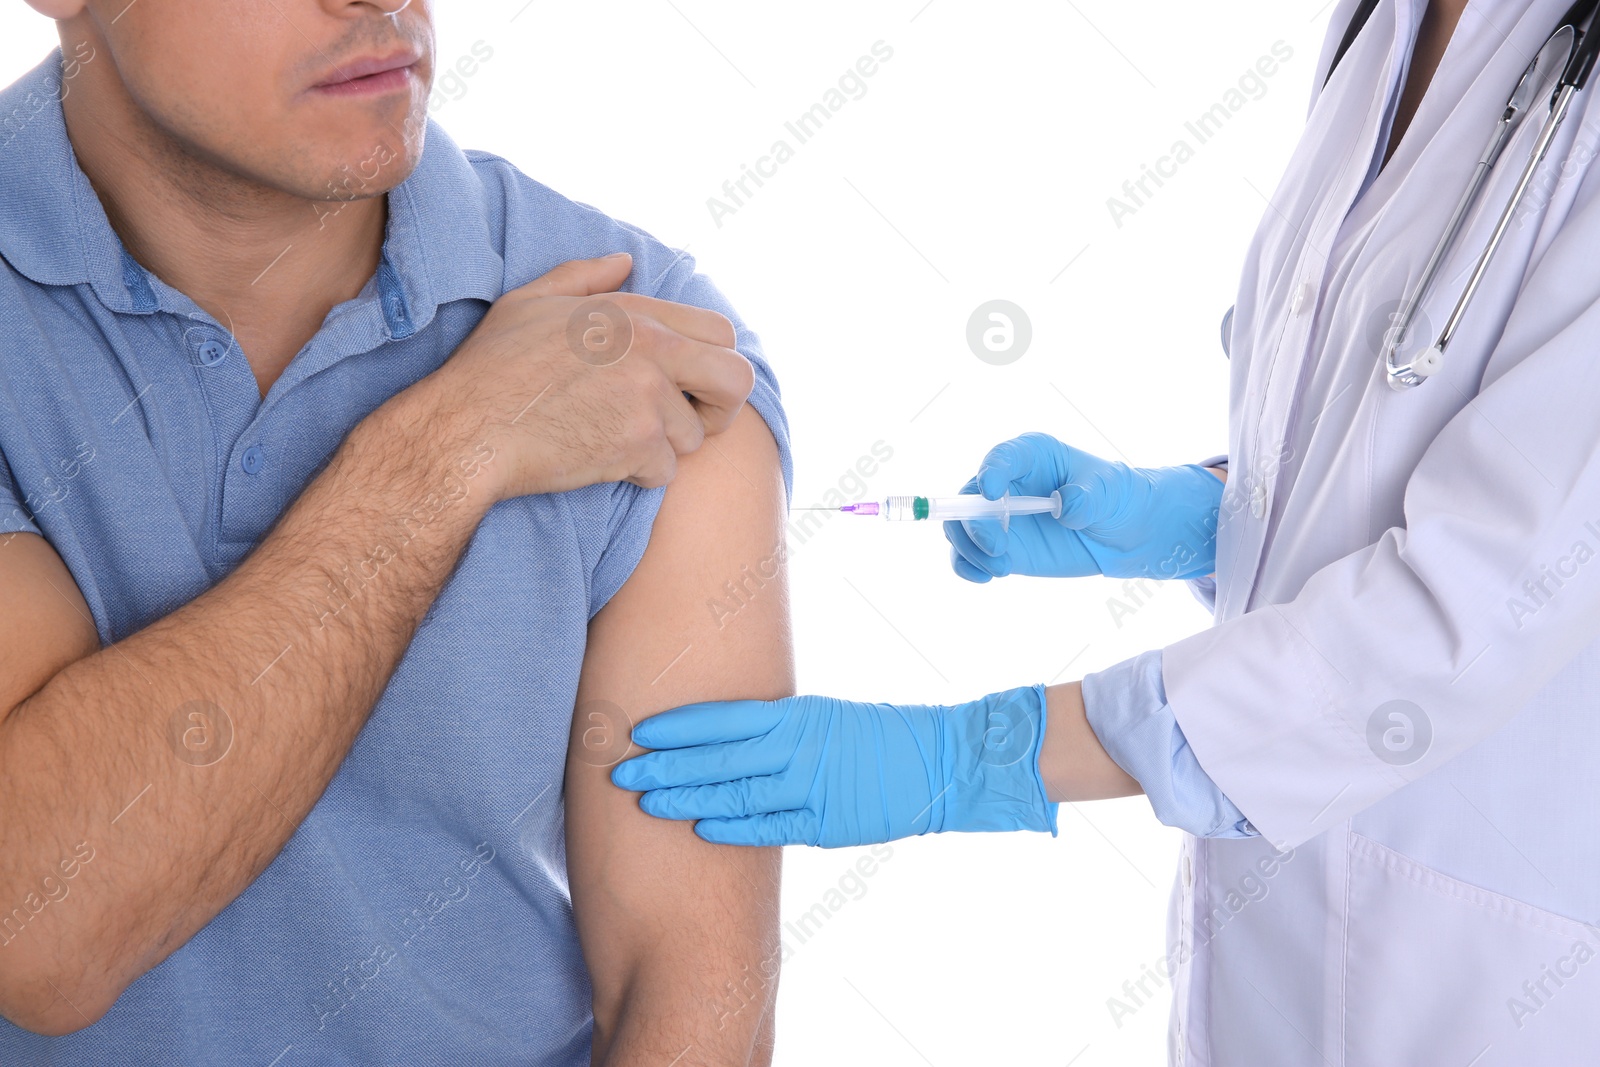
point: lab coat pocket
(1441, 971)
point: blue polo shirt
(420, 914)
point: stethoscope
(1574, 51)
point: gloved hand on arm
(1116, 520)
(820, 771)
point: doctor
(1394, 720)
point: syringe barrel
(905, 508)
(968, 506)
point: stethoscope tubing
(1575, 73)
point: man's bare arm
(681, 936)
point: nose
(391, 8)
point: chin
(363, 166)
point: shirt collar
(53, 229)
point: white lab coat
(1376, 547)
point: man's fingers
(656, 470)
(701, 324)
(583, 277)
(605, 275)
(718, 379)
(683, 430)
(681, 421)
(693, 346)
(779, 828)
(719, 397)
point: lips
(354, 70)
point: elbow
(32, 997)
(48, 1022)
(48, 1017)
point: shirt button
(212, 353)
(1302, 298)
(1258, 501)
(1188, 873)
(251, 460)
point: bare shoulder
(710, 592)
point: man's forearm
(185, 756)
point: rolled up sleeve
(1127, 708)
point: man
(270, 461)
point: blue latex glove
(1116, 520)
(812, 770)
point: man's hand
(575, 384)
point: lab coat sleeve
(1128, 711)
(1205, 589)
(1423, 643)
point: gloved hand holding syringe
(1041, 507)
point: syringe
(965, 506)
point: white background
(977, 165)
